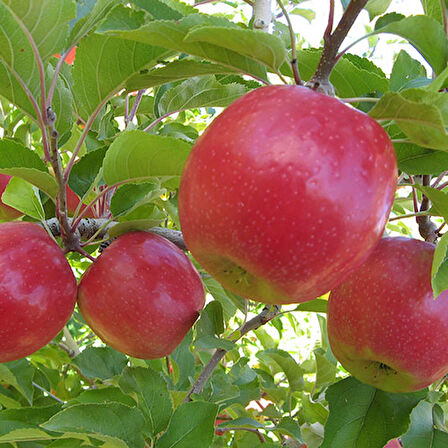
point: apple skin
(286, 193)
(37, 289)
(384, 326)
(72, 203)
(7, 213)
(141, 296)
(394, 443)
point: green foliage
(280, 384)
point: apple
(394, 443)
(384, 325)
(73, 201)
(37, 289)
(286, 193)
(141, 296)
(7, 213)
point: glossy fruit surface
(7, 213)
(383, 324)
(141, 296)
(285, 193)
(37, 289)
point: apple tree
(191, 192)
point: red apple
(73, 201)
(141, 296)
(384, 325)
(394, 443)
(7, 213)
(286, 193)
(37, 289)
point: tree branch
(268, 313)
(426, 228)
(262, 15)
(332, 42)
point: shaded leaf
(198, 92)
(19, 374)
(24, 197)
(151, 393)
(136, 155)
(439, 272)
(100, 362)
(114, 423)
(361, 415)
(191, 425)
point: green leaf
(171, 34)
(136, 155)
(114, 423)
(262, 47)
(130, 196)
(420, 115)
(198, 92)
(49, 30)
(351, 77)
(184, 360)
(100, 362)
(377, 7)
(325, 370)
(439, 272)
(151, 392)
(24, 197)
(290, 427)
(16, 160)
(89, 16)
(438, 198)
(192, 425)
(433, 8)
(315, 306)
(361, 415)
(105, 395)
(23, 424)
(426, 35)
(405, 69)
(423, 432)
(174, 71)
(103, 65)
(85, 171)
(19, 374)
(287, 364)
(211, 320)
(165, 9)
(134, 225)
(219, 294)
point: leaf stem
(57, 70)
(135, 106)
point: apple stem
(292, 35)
(267, 314)
(320, 81)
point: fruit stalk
(267, 314)
(332, 42)
(426, 228)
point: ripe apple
(37, 289)
(384, 325)
(141, 296)
(394, 443)
(286, 193)
(7, 213)
(72, 203)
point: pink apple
(394, 443)
(384, 325)
(286, 193)
(7, 213)
(37, 289)
(141, 296)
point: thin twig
(265, 316)
(445, 16)
(135, 106)
(237, 428)
(37, 386)
(439, 179)
(292, 36)
(57, 70)
(362, 99)
(71, 343)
